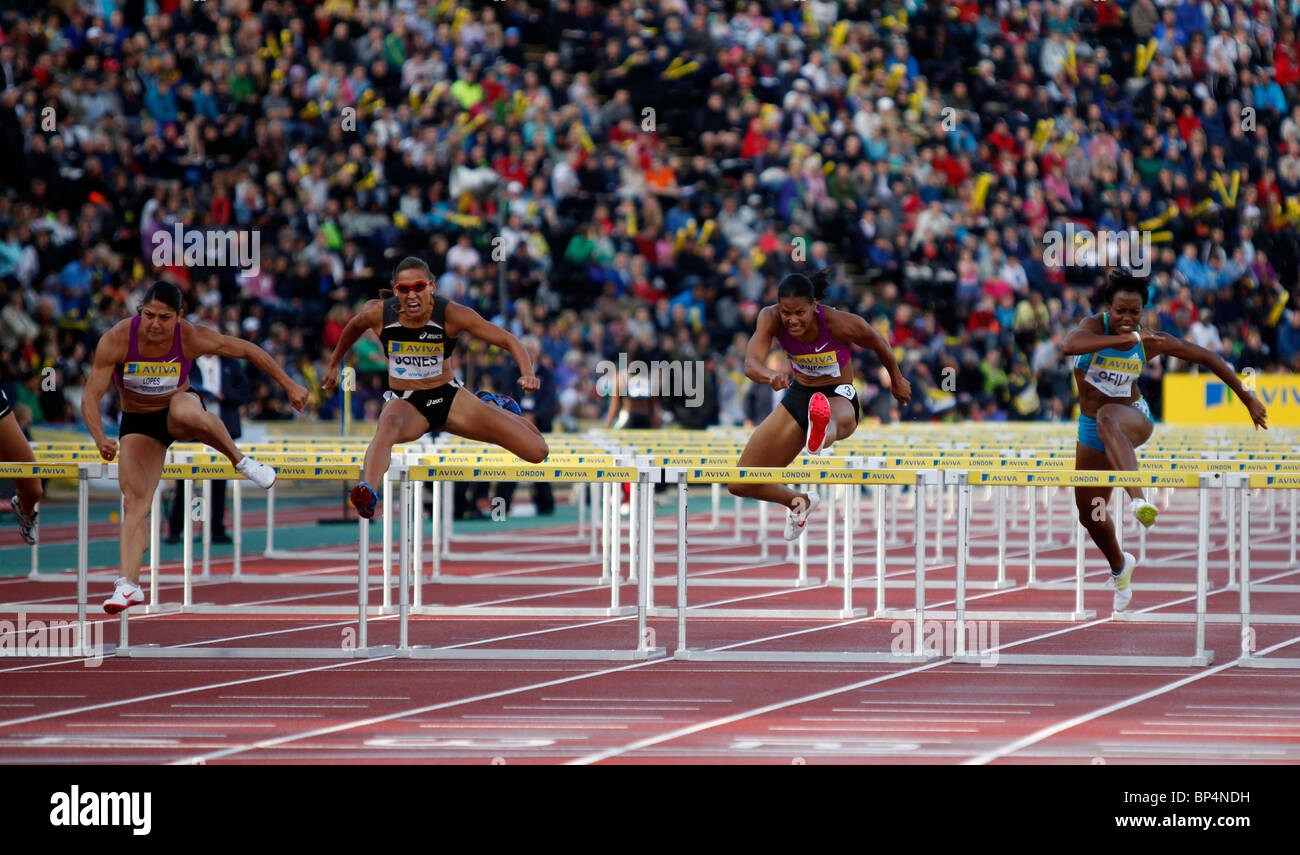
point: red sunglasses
(409, 287)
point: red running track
(400, 710)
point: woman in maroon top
(148, 358)
(821, 403)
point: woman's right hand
(107, 449)
(779, 382)
(330, 379)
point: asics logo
(427, 335)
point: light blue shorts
(1088, 426)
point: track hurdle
(642, 648)
(1242, 485)
(854, 478)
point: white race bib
(414, 360)
(846, 390)
(817, 364)
(151, 378)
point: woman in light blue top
(1114, 420)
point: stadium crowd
(634, 177)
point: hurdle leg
(1202, 560)
(1271, 496)
(417, 542)
(918, 532)
(830, 533)
(848, 550)
(595, 500)
(581, 496)
(892, 508)
(1246, 645)
(1232, 535)
(1002, 535)
(187, 542)
(762, 530)
(404, 561)
(1079, 535)
(270, 521)
(938, 532)
(715, 491)
(83, 542)
(1033, 548)
(616, 534)
(605, 521)
(647, 541)
(963, 533)
(1291, 558)
(386, 562)
(1120, 516)
(739, 520)
(633, 516)
(435, 532)
(155, 524)
(644, 645)
(878, 497)
(363, 581)
(1051, 518)
(237, 499)
(207, 528)
(448, 503)
(682, 499)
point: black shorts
(433, 404)
(151, 424)
(5, 407)
(798, 395)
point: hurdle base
(1267, 662)
(1190, 617)
(760, 614)
(423, 651)
(990, 614)
(1102, 660)
(692, 654)
(154, 651)
(728, 582)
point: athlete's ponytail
(811, 289)
(408, 263)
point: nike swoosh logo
(819, 350)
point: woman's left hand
(529, 383)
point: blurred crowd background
(634, 177)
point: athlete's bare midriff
(1091, 399)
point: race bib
(817, 364)
(846, 390)
(414, 360)
(151, 378)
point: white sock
(123, 582)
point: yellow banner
(1203, 399)
(1275, 481)
(1086, 479)
(581, 475)
(38, 470)
(732, 474)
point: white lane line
(118, 724)
(463, 725)
(849, 729)
(640, 708)
(271, 743)
(314, 698)
(645, 700)
(211, 715)
(1045, 733)
(273, 706)
(177, 692)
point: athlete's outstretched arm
(467, 320)
(760, 345)
(368, 318)
(1088, 337)
(203, 341)
(854, 329)
(1157, 344)
(110, 352)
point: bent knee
(536, 452)
(744, 491)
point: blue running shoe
(509, 404)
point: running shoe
(1123, 588)
(363, 498)
(259, 473)
(505, 402)
(125, 595)
(1144, 511)
(26, 524)
(797, 520)
(819, 415)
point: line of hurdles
(605, 463)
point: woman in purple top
(148, 358)
(821, 404)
